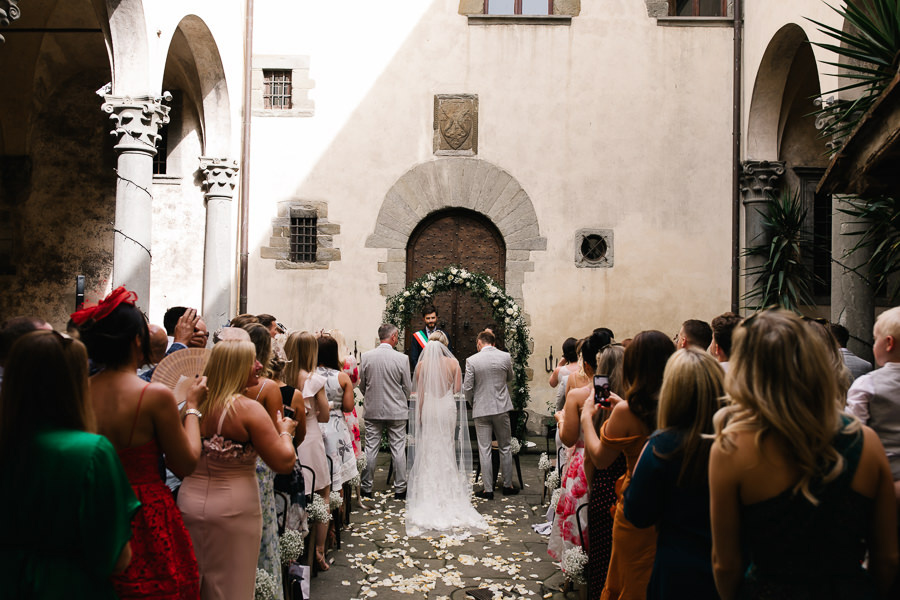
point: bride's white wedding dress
(439, 491)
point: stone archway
(468, 183)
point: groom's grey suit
(384, 381)
(488, 375)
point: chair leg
(518, 471)
(310, 550)
(348, 500)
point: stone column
(759, 178)
(219, 179)
(137, 122)
(8, 12)
(852, 297)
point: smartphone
(288, 412)
(601, 390)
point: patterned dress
(600, 523)
(338, 441)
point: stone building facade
(593, 142)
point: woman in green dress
(66, 529)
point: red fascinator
(106, 306)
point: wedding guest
(11, 330)
(722, 327)
(339, 391)
(574, 482)
(220, 500)
(798, 488)
(351, 368)
(301, 349)
(66, 526)
(858, 366)
(823, 333)
(267, 393)
(244, 319)
(270, 323)
(602, 495)
(694, 332)
(141, 420)
(670, 487)
(186, 328)
(626, 430)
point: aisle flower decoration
(265, 586)
(544, 462)
(573, 563)
(290, 546)
(552, 481)
(554, 499)
(335, 501)
(318, 511)
(515, 446)
(404, 306)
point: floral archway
(403, 306)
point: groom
(384, 381)
(488, 375)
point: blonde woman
(220, 500)
(302, 349)
(796, 486)
(670, 487)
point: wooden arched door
(457, 237)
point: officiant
(420, 338)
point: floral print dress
(565, 533)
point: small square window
(698, 8)
(518, 7)
(277, 89)
(304, 234)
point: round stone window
(593, 247)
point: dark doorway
(468, 239)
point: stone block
(519, 265)
(518, 255)
(395, 255)
(515, 277)
(328, 228)
(471, 7)
(280, 242)
(297, 266)
(398, 278)
(657, 8)
(571, 8)
(328, 254)
(392, 267)
(537, 243)
(274, 253)
(324, 241)
(529, 373)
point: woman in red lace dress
(141, 420)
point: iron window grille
(303, 236)
(518, 7)
(277, 89)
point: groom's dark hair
(486, 337)
(428, 309)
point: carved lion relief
(456, 124)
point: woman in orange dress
(630, 423)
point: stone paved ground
(377, 560)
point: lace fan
(182, 364)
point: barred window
(698, 8)
(518, 7)
(277, 89)
(303, 235)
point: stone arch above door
(457, 183)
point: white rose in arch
(492, 289)
(406, 293)
(401, 308)
(454, 270)
(424, 293)
(509, 311)
(496, 302)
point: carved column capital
(759, 178)
(219, 177)
(137, 121)
(9, 11)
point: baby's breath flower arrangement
(318, 511)
(554, 499)
(544, 462)
(265, 586)
(515, 446)
(552, 481)
(573, 563)
(361, 462)
(290, 546)
(335, 501)
(403, 307)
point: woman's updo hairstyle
(108, 340)
(592, 345)
(262, 341)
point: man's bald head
(159, 341)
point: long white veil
(438, 378)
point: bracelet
(287, 434)
(193, 411)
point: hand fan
(181, 364)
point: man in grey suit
(384, 381)
(486, 386)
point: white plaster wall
(612, 122)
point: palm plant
(868, 55)
(783, 278)
(880, 235)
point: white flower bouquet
(515, 446)
(552, 481)
(544, 462)
(573, 563)
(335, 501)
(265, 586)
(318, 511)
(290, 546)
(554, 499)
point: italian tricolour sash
(421, 338)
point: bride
(438, 495)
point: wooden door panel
(465, 238)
